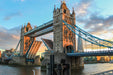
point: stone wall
(18, 60)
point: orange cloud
(16, 37)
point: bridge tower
(64, 39)
(25, 40)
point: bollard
(48, 70)
(60, 69)
(51, 64)
(68, 70)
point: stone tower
(25, 40)
(64, 39)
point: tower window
(65, 11)
(27, 29)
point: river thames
(88, 69)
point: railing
(91, 53)
(110, 72)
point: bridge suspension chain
(89, 37)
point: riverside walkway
(110, 72)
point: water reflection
(9, 70)
(88, 69)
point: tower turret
(25, 40)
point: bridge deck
(93, 53)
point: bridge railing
(91, 53)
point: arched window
(65, 11)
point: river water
(88, 69)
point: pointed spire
(29, 23)
(22, 25)
(73, 12)
(63, 3)
(54, 7)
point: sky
(94, 16)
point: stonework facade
(28, 43)
(25, 40)
(64, 39)
(22, 61)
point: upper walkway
(41, 30)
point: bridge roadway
(91, 53)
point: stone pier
(22, 61)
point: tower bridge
(64, 44)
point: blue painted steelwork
(42, 32)
(88, 37)
(92, 53)
(45, 25)
(29, 60)
(29, 49)
(46, 44)
(17, 45)
(84, 35)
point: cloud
(2, 29)
(81, 8)
(15, 37)
(15, 30)
(92, 21)
(9, 16)
(8, 39)
(99, 23)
